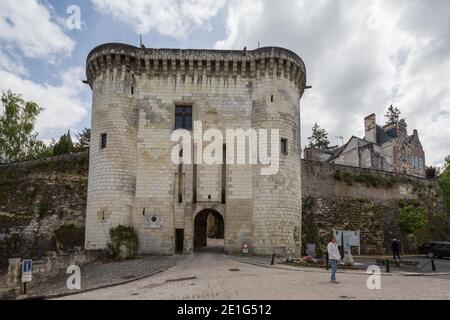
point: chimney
(370, 125)
(402, 132)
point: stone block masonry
(38, 197)
(327, 203)
(132, 179)
(351, 198)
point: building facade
(140, 96)
(387, 148)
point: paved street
(213, 275)
(98, 274)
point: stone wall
(343, 197)
(133, 179)
(47, 267)
(330, 200)
(36, 198)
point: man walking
(396, 249)
(335, 257)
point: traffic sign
(27, 266)
(245, 247)
(27, 270)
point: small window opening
(284, 146)
(180, 183)
(103, 140)
(183, 117)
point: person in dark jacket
(396, 249)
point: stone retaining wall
(26, 232)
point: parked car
(436, 249)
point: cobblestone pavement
(212, 275)
(99, 274)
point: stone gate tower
(141, 95)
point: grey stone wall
(327, 203)
(344, 197)
(135, 95)
(36, 198)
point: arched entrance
(209, 231)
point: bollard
(273, 260)
(388, 267)
(433, 265)
(327, 262)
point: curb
(362, 273)
(60, 295)
(426, 274)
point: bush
(123, 236)
(69, 236)
(411, 219)
(374, 180)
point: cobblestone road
(99, 274)
(218, 276)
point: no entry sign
(245, 247)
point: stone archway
(208, 223)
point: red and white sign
(245, 247)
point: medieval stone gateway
(140, 96)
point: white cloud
(174, 18)
(361, 56)
(62, 103)
(11, 65)
(28, 25)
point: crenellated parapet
(251, 64)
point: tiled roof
(383, 137)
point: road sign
(27, 266)
(245, 247)
(27, 270)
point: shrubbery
(123, 236)
(411, 219)
(69, 236)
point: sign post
(27, 273)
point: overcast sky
(361, 56)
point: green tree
(47, 151)
(84, 139)
(319, 138)
(64, 145)
(393, 114)
(18, 140)
(411, 219)
(444, 183)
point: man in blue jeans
(334, 256)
